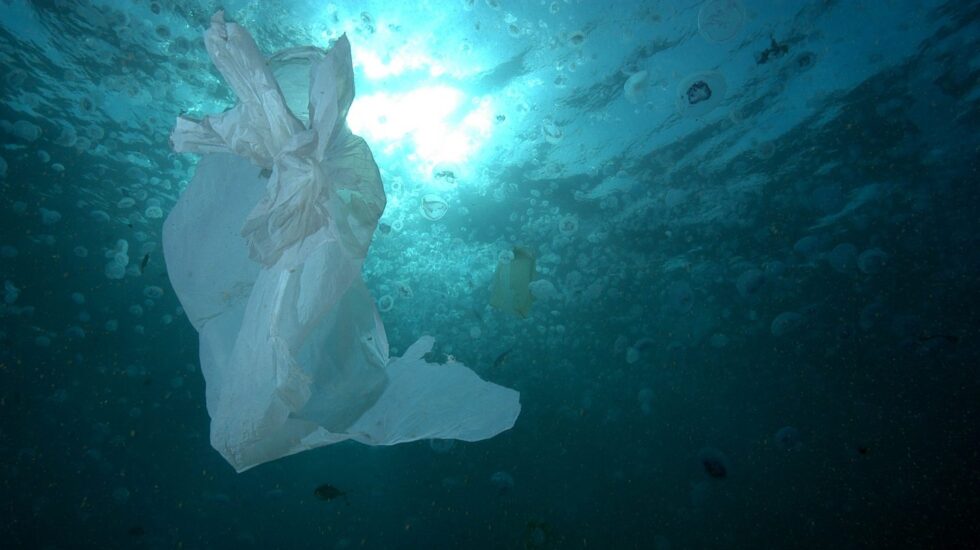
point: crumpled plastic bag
(264, 250)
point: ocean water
(754, 227)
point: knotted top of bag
(263, 129)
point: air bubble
(720, 20)
(433, 207)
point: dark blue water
(757, 228)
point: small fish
(136, 531)
(327, 492)
(144, 261)
(501, 359)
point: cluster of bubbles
(118, 257)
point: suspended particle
(700, 93)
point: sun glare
(438, 122)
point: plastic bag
(264, 250)
(511, 283)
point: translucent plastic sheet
(264, 250)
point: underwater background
(754, 227)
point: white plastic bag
(293, 351)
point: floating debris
(327, 492)
(714, 462)
(774, 51)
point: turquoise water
(754, 229)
